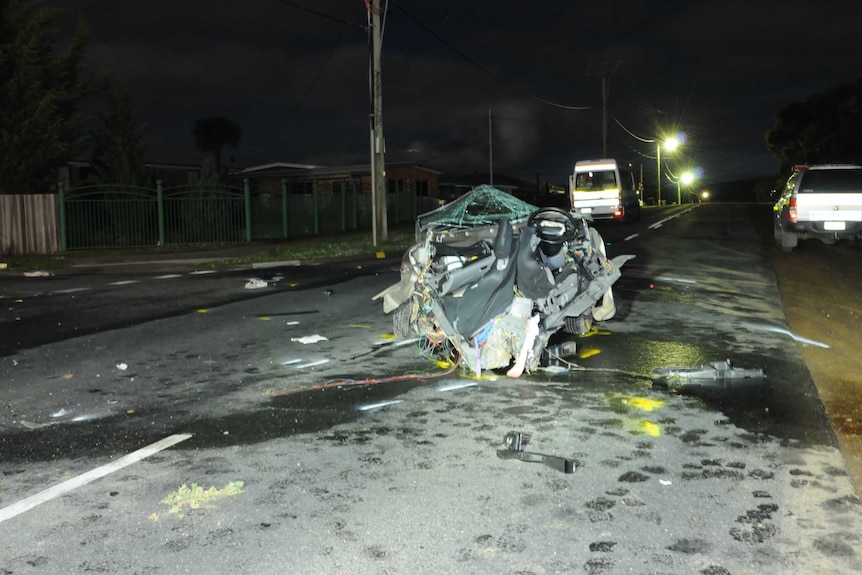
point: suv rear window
(831, 181)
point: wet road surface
(669, 476)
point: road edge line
(92, 475)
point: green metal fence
(113, 216)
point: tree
(118, 154)
(825, 128)
(213, 134)
(40, 91)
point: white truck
(604, 190)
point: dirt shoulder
(820, 290)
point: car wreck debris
(492, 278)
(713, 370)
(513, 448)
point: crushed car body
(492, 278)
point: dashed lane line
(72, 290)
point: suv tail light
(791, 209)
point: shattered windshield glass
(482, 206)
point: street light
(686, 178)
(670, 145)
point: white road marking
(456, 385)
(168, 276)
(202, 272)
(72, 290)
(312, 364)
(379, 405)
(674, 280)
(90, 476)
(793, 336)
(631, 237)
(124, 282)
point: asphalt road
(399, 468)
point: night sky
(297, 82)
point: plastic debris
(122, 366)
(309, 338)
(256, 283)
(39, 274)
(713, 370)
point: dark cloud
(297, 82)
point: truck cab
(604, 190)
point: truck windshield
(592, 181)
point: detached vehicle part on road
(492, 278)
(822, 202)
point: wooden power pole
(378, 147)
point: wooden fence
(29, 224)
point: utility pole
(605, 114)
(490, 149)
(378, 147)
(605, 72)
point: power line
(322, 15)
(485, 70)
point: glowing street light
(686, 178)
(670, 144)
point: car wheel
(789, 240)
(401, 320)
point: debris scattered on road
(37, 274)
(328, 292)
(513, 448)
(122, 366)
(34, 425)
(713, 370)
(309, 338)
(256, 283)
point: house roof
(276, 169)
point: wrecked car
(492, 278)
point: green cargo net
(482, 206)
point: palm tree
(213, 133)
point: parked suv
(822, 202)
